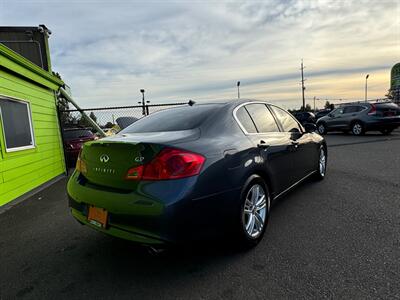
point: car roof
(229, 102)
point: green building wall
(24, 170)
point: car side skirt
(294, 185)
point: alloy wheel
(255, 211)
(322, 162)
(357, 129)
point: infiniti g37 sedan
(194, 172)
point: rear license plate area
(97, 216)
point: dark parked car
(194, 172)
(322, 113)
(305, 117)
(361, 117)
(73, 141)
(124, 122)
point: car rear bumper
(155, 213)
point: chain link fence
(110, 119)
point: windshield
(76, 134)
(174, 119)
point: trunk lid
(108, 160)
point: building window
(17, 124)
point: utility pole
(302, 85)
(238, 89)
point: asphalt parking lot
(339, 238)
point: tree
(327, 105)
(93, 116)
(84, 123)
(308, 107)
(63, 107)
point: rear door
(305, 151)
(274, 149)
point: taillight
(168, 164)
(372, 111)
(80, 164)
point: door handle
(262, 145)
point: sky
(106, 51)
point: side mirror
(330, 115)
(310, 127)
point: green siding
(24, 170)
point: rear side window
(360, 108)
(244, 118)
(352, 109)
(174, 119)
(262, 118)
(289, 124)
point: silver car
(361, 117)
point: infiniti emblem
(104, 158)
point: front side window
(262, 118)
(337, 112)
(289, 124)
(17, 124)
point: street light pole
(366, 86)
(238, 89)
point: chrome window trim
(244, 129)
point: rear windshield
(173, 119)
(76, 134)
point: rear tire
(321, 164)
(357, 128)
(321, 127)
(386, 131)
(255, 204)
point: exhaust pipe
(155, 250)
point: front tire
(357, 128)
(254, 212)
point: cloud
(106, 51)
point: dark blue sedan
(195, 172)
